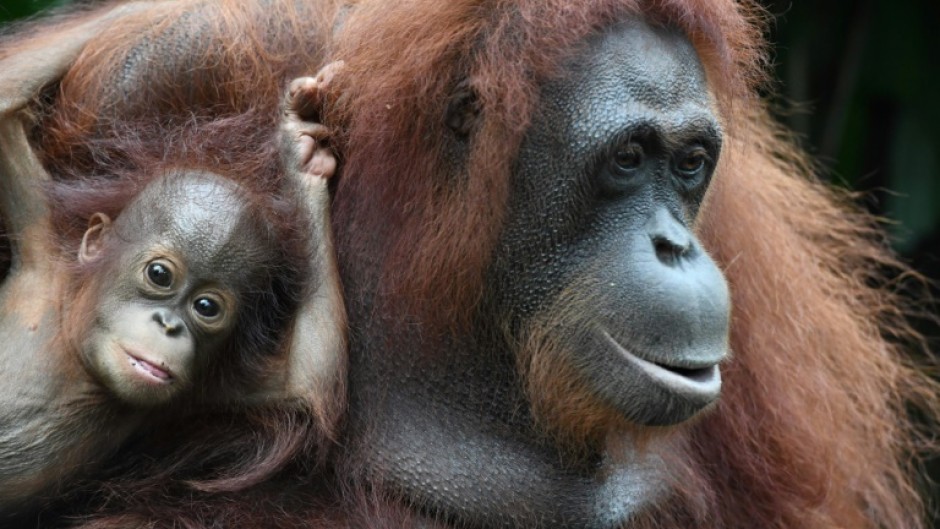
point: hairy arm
(317, 363)
(29, 65)
(22, 203)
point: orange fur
(812, 430)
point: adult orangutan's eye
(692, 164)
(627, 159)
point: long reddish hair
(813, 428)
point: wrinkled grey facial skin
(609, 183)
(605, 190)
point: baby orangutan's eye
(207, 307)
(159, 274)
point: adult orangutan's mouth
(695, 380)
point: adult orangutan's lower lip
(147, 368)
(695, 382)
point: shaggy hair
(813, 428)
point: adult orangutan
(561, 229)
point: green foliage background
(14, 9)
(859, 82)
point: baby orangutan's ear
(93, 241)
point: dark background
(859, 82)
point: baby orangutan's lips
(149, 369)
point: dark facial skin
(175, 291)
(609, 183)
(605, 192)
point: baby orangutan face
(176, 261)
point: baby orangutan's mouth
(148, 369)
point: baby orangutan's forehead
(206, 218)
(203, 217)
(217, 245)
(217, 231)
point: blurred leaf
(866, 70)
(13, 9)
(914, 169)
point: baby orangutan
(165, 309)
